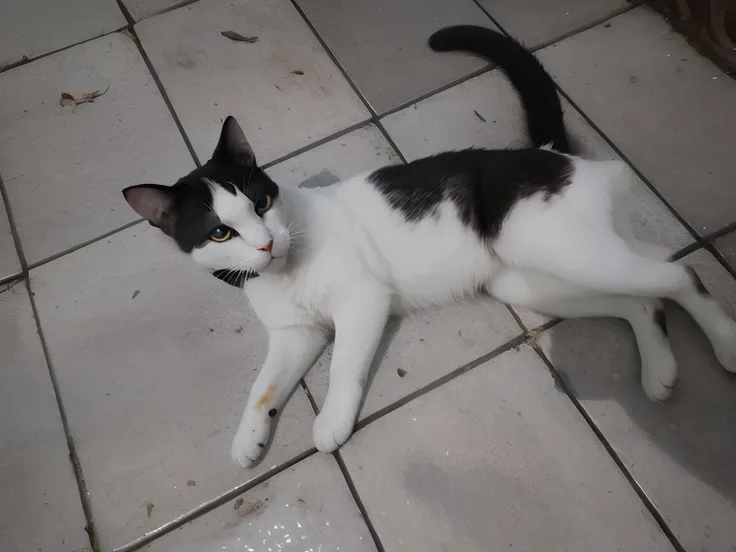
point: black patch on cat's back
(483, 184)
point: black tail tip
(443, 40)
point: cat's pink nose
(267, 248)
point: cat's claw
(249, 444)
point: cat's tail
(526, 73)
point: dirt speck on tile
(191, 483)
(135, 293)
(401, 372)
(238, 503)
(149, 508)
(239, 329)
(481, 117)
(297, 72)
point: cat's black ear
(155, 203)
(233, 147)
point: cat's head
(228, 214)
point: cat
(537, 228)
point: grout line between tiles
(212, 504)
(164, 94)
(13, 228)
(587, 26)
(126, 14)
(233, 493)
(720, 232)
(348, 479)
(240, 489)
(27, 60)
(119, 229)
(713, 250)
(374, 116)
(11, 280)
(561, 383)
(378, 414)
(84, 495)
(317, 143)
(517, 318)
(358, 501)
(74, 248)
(425, 96)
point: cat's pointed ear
(155, 203)
(233, 147)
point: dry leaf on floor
(81, 97)
(232, 35)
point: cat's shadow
(693, 431)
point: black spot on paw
(261, 445)
(660, 320)
(272, 412)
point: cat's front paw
(249, 443)
(330, 433)
(335, 422)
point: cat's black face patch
(195, 218)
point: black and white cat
(536, 228)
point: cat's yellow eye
(263, 204)
(221, 234)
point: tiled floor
(469, 439)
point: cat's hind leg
(573, 238)
(551, 295)
(291, 352)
